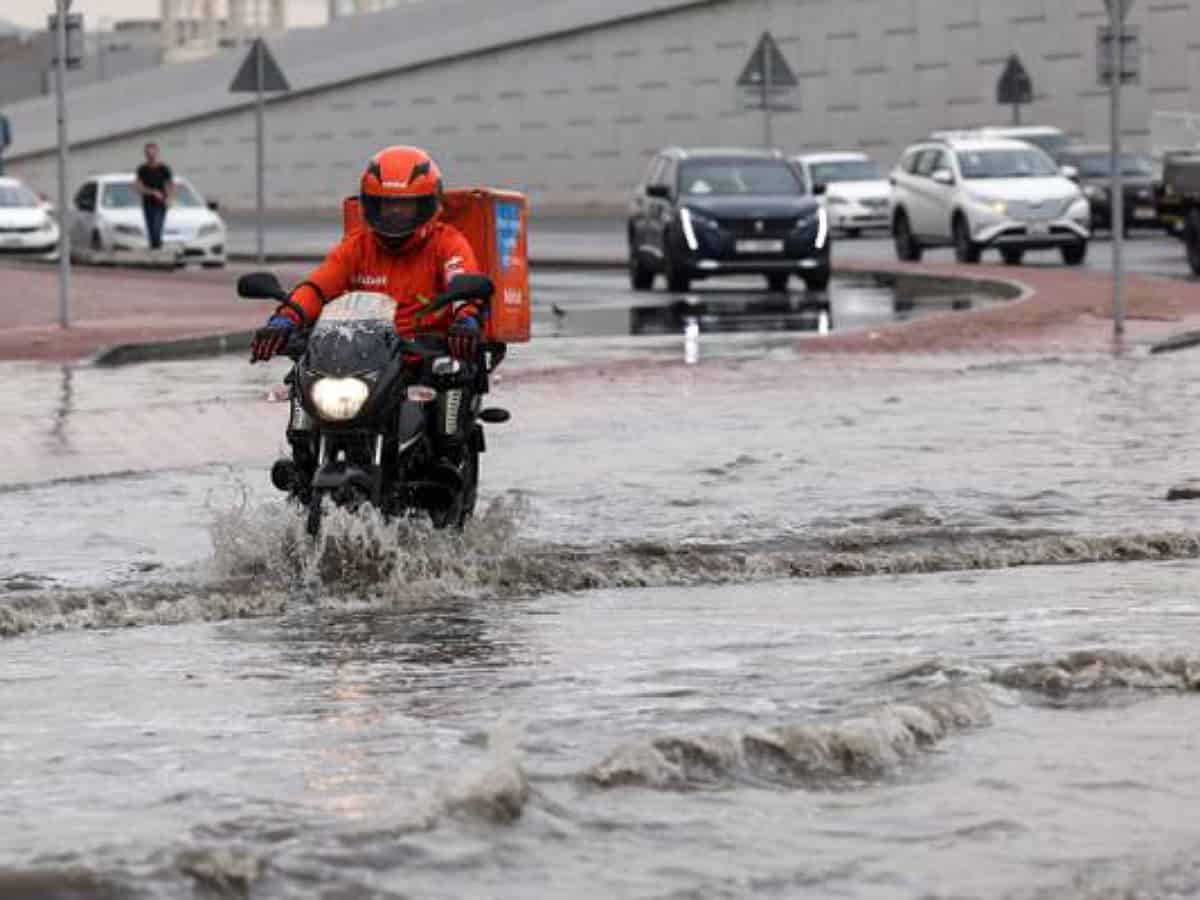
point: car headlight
(210, 228)
(836, 201)
(339, 399)
(992, 205)
(822, 220)
(691, 220)
(1080, 209)
(130, 230)
(47, 225)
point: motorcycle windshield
(356, 333)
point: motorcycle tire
(313, 518)
(463, 507)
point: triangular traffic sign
(246, 79)
(767, 65)
(1118, 9)
(1015, 85)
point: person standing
(154, 183)
(5, 139)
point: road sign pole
(259, 115)
(1117, 205)
(60, 95)
(768, 61)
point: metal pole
(258, 148)
(64, 240)
(768, 138)
(1117, 206)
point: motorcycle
(375, 418)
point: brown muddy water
(771, 625)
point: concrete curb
(185, 348)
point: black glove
(463, 339)
(271, 338)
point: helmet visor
(398, 217)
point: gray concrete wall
(572, 120)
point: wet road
(648, 670)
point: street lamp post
(60, 93)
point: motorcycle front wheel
(463, 506)
(313, 522)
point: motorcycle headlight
(339, 399)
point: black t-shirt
(156, 178)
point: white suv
(974, 194)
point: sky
(32, 13)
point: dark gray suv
(703, 213)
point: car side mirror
(819, 189)
(943, 176)
(1070, 172)
(214, 205)
(661, 191)
(261, 286)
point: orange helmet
(401, 193)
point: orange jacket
(411, 278)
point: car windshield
(731, 177)
(1099, 165)
(122, 194)
(17, 196)
(850, 170)
(1007, 163)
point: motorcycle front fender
(412, 424)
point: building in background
(567, 99)
(194, 29)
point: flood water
(768, 625)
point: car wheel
(1012, 255)
(908, 248)
(1191, 240)
(817, 281)
(777, 281)
(1074, 254)
(640, 277)
(965, 249)
(678, 279)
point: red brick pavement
(1067, 309)
(115, 306)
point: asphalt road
(563, 241)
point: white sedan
(854, 191)
(26, 228)
(107, 219)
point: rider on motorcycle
(404, 251)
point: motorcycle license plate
(760, 246)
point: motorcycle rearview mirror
(261, 286)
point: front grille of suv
(771, 227)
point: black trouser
(156, 214)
